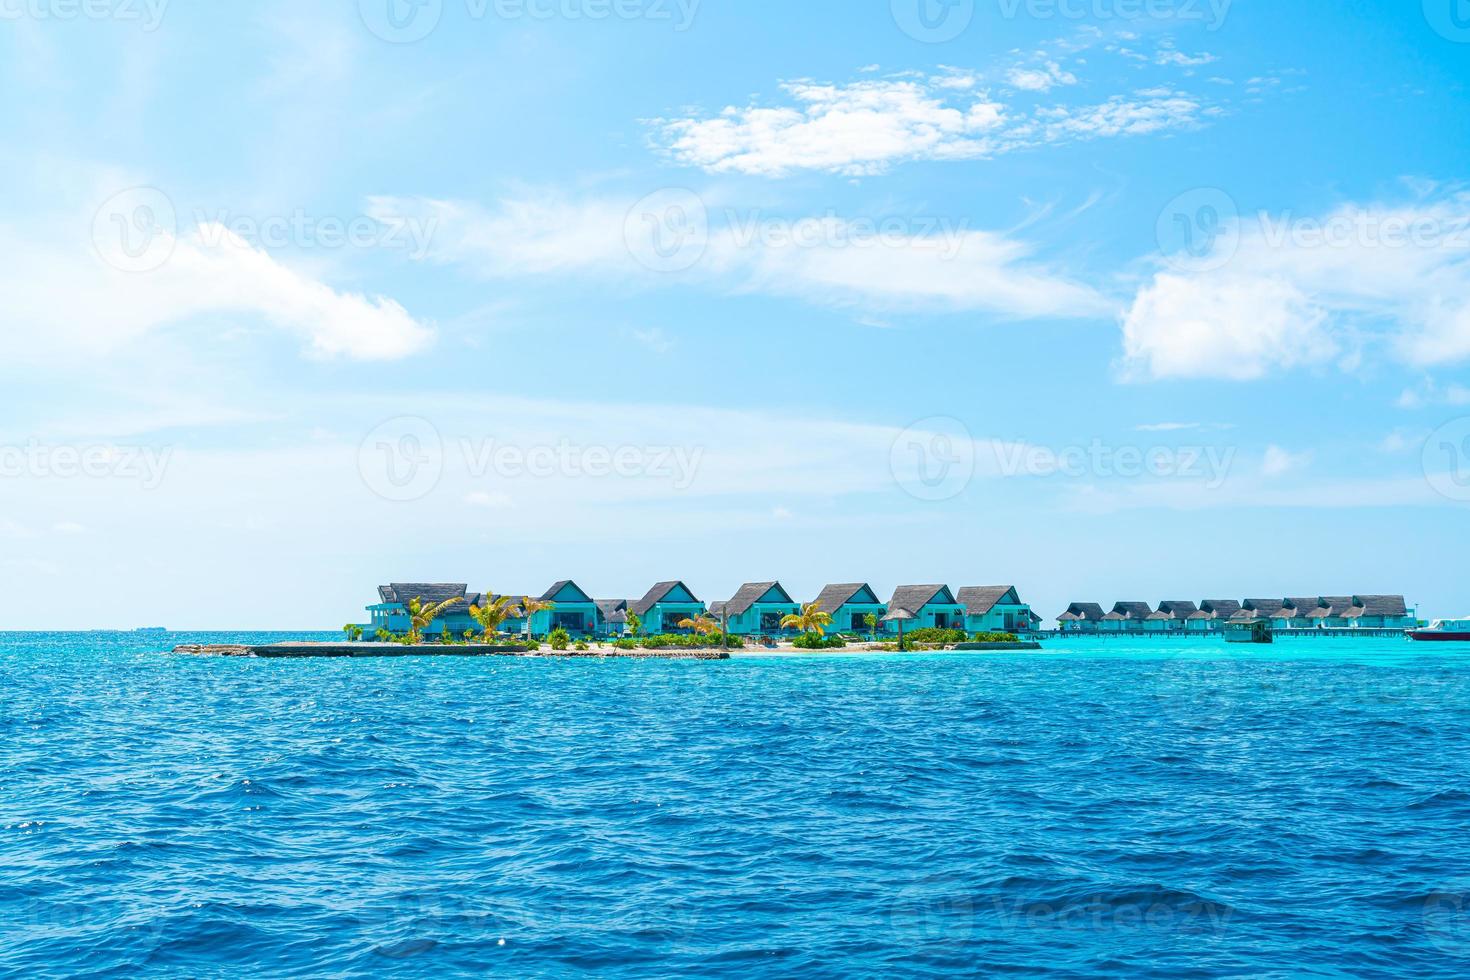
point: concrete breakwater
(363, 650)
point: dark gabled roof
(1221, 608)
(1090, 612)
(1334, 605)
(1266, 607)
(1382, 605)
(613, 610)
(915, 597)
(980, 599)
(749, 594)
(656, 594)
(834, 597)
(550, 593)
(429, 592)
(1178, 608)
(1303, 605)
(1133, 610)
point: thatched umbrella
(899, 616)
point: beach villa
(612, 617)
(1081, 617)
(932, 606)
(390, 612)
(575, 611)
(757, 608)
(665, 606)
(850, 605)
(994, 609)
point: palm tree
(530, 607)
(492, 615)
(871, 622)
(703, 624)
(421, 614)
(809, 620)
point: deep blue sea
(1107, 808)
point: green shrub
(530, 646)
(559, 639)
(993, 637)
(815, 641)
(930, 634)
(691, 641)
(627, 643)
(581, 644)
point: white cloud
(63, 295)
(866, 127)
(1278, 461)
(1280, 293)
(1041, 79)
(68, 527)
(490, 501)
(1430, 392)
(924, 264)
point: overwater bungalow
(1382, 612)
(1298, 612)
(932, 606)
(665, 606)
(756, 609)
(1172, 616)
(1271, 610)
(850, 606)
(1127, 617)
(1212, 615)
(390, 612)
(1081, 617)
(994, 608)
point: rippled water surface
(1106, 808)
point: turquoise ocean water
(1106, 808)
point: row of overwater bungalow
(756, 609)
(1213, 615)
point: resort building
(574, 611)
(1127, 617)
(1081, 617)
(932, 606)
(850, 606)
(1212, 616)
(1382, 612)
(1172, 616)
(665, 606)
(390, 612)
(994, 609)
(612, 617)
(757, 608)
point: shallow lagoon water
(1117, 807)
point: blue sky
(1110, 299)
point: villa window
(770, 622)
(859, 621)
